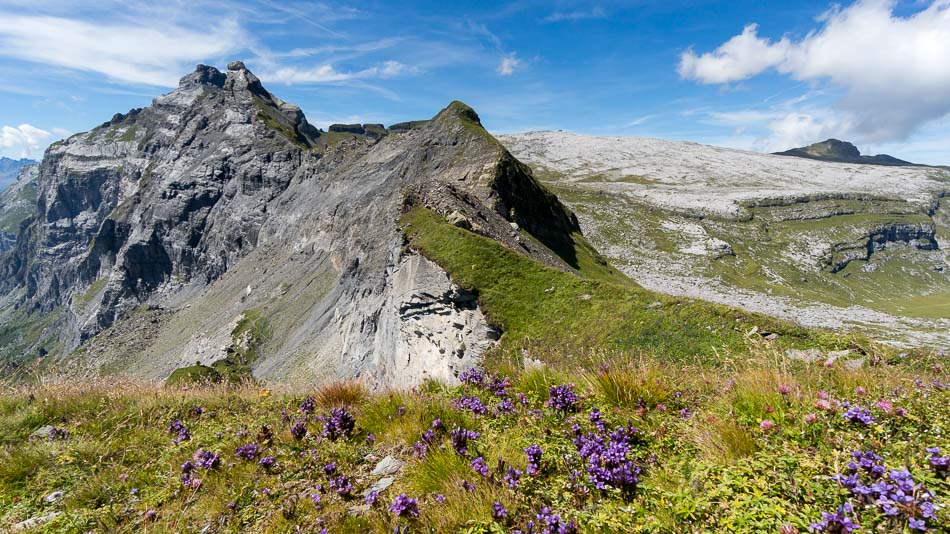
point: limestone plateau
(167, 235)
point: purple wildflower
(299, 430)
(607, 457)
(551, 523)
(837, 522)
(308, 405)
(181, 432)
(480, 467)
(206, 459)
(371, 497)
(533, 452)
(57, 434)
(473, 376)
(339, 424)
(940, 464)
(404, 506)
(512, 477)
(498, 511)
(562, 398)
(247, 452)
(471, 404)
(857, 414)
(461, 437)
(267, 462)
(341, 485)
(329, 468)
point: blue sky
(757, 75)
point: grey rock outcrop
(17, 205)
(220, 199)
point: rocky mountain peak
(203, 75)
(839, 151)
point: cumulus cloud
(893, 72)
(150, 54)
(22, 141)
(509, 63)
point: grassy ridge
(556, 315)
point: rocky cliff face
(219, 202)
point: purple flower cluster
(857, 414)
(562, 398)
(339, 424)
(461, 437)
(498, 511)
(308, 405)
(607, 457)
(893, 491)
(341, 485)
(298, 430)
(480, 467)
(838, 522)
(267, 462)
(404, 506)
(498, 386)
(548, 523)
(512, 477)
(57, 434)
(206, 459)
(473, 376)
(940, 464)
(533, 452)
(180, 431)
(471, 404)
(428, 438)
(247, 452)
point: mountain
(824, 244)
(841, 152)
(218, 225)
(17, 204)
(10, 170)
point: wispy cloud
(509, 63)
(137, 53)
(596, 12)
(329, 74)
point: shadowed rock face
(220, 198)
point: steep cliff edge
(220, 201)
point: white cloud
(22, 141)
(508, 64)
(561, 16)
(147, 53)
(328, 74)
(894, 72)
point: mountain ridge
(220, 203)
(842, 152)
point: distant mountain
(10, 169)
(842, 152)
(17, 204)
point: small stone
(360, 509)
(387, 466)
(655, 304)
(514, 226)
(379, 486)
(41, 432)
(854, 365)
(807, 356)
(53, 497)
(772, 336)
(585, 297)
(34, 522)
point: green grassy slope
(558, 316)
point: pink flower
(885, 406)
(784, 389)
(661, 407)
(860, 390)
(766, 425)
(810, 419)
(823, 395)
(824, 405)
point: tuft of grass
(337, 394)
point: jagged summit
(842, 152)
(218, 221)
